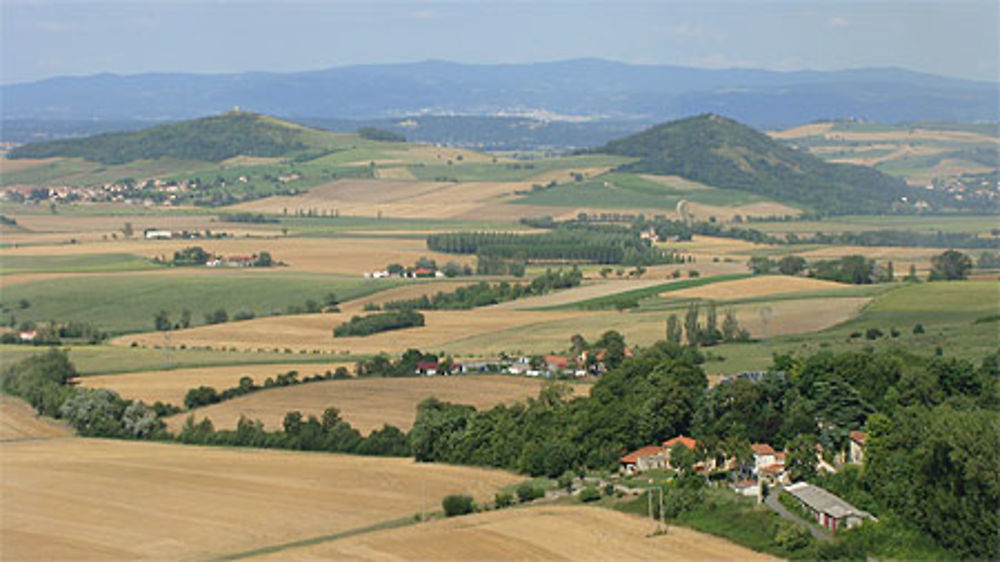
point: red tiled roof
(422, 271)
(762, 449)
(776, 467)
(781, 456)
(859, 437)
(744, 483)
(427, 366)
(557, 360)
(648, 451)
(686, 441)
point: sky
(45, 38)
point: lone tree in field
(950, 266)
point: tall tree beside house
(674, 330)
(682, 459)
(692, 330)
(802, 461)
(950, 266)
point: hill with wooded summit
(210, 139)
(723, 153)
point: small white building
(153, 234)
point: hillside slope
(211, 139)
(723, 153)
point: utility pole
(663, 525)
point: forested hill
(210, 139)
(724, 153)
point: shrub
(458, 505)
(873, 334)
(589, 494)
(791, 537)
(503, 500)
(527, 492)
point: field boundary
(384, 526)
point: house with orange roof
(650, 457)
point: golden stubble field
(443, 329)
(19, 421)
(73, 499)
(533, 533)
(368, 403)
(392, 198)
(350, 256)
(171, 386)
(752, 287)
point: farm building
(646, 458)
(153, 234)
(828, 510)
(428, 368)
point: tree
(760, 265)
(791, 265)
(161, 321)
(801, 462)
(263, 260)
(185, 318)
(458, 505)
(674, 329)
(682, 459)
(127, 230)
(950, 266)
(220, 316)
(292, 423)
(912, 276)
(711, 334)
(691, 327)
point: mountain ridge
(583, 87)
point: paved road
(772, 501)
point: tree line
(606, 246)
(485, 294)
(379, 322)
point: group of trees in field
(328, 433)
(484, 294)
(379, 322)
(43, 381)
(710, 333)
(950, 265)
(205, 395)
(608, 245)
(197, 256)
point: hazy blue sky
(48, 37)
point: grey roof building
(829, 510)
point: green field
(919, 223)
(947, 311)
(513, 171)
(629, 191)
(84, 263)
(128, 303)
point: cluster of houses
(766, 470)
(167, 191)
(544, 366)
(420, 272)
(231, 261)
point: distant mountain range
(584, 89)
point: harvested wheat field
(315, 332)
(399, 173)
(19, 421)
(645, 328)
(10, 165)
(391, 199)
(589, 291)
(369, 403)
(754, 287)
(71, 499)
(765, 209)
(807, 130)
(170, 387)
(352, 256)
(534, 533)
(402, 292)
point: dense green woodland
(211, 139)
(934, 429)
(723, 153)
